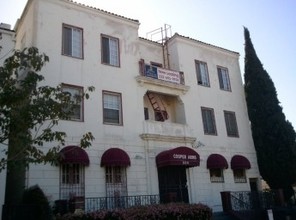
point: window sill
(240, 181)
(79, 58)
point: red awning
(240, 162)
(115, 157)
(180, 156)
(216, 161)
(74, 154)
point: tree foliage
(274, 136)
(30, 113)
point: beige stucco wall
(7, 44)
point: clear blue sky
(272, 25)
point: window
(156, 64)
(239, 176)
(110, 50)
(76, 111)
(23, 42)
(72, 41)
(70, 173)
(116, 186)
(216, 175)
(146, 113)
(224, 79)
(208, 120)
(112, 113)
(114, 174)
(231, 125)
(202, 73)
(71, 180)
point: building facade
(7, 45)
(169, 118)
(7, 41)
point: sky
(272, 26)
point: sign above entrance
(180, 156)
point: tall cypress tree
(274, 137)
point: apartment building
(169, 118)
(7, 42)
(7, 45)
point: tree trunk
(16, 173)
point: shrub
(171, 211)
(37, 203)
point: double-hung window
(112, 110)
(202, 73)
(224, 80)
(72, 44)
(208, 119)
(110, 50)
(231, 125)
(76, 101)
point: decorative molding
(168, 138)
(148, 80)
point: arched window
(239, 164)
(115, 162)
(216, 163)
(73, 160)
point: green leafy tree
(274, 136)
(29, 116)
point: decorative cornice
(149, 80)
(168, 138)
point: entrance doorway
(173, 184)
(255, 201)
(253, 184)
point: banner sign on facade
(162, 74)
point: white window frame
(208, 119)
(202, 73)
(72, 45)
(110, 52)
(112, 101)
(75, 91)
(224, 80)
